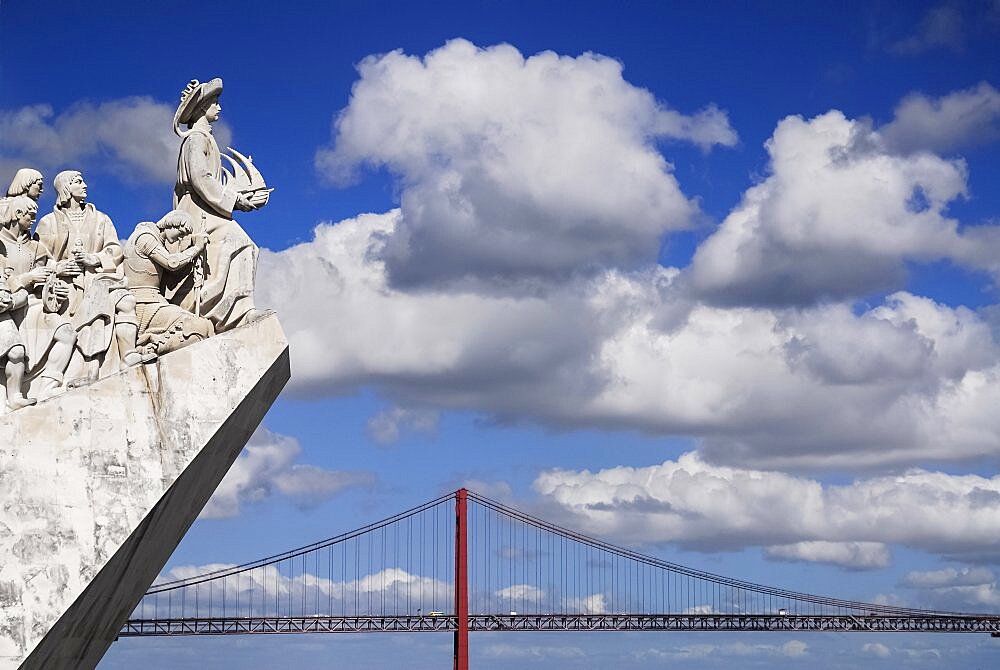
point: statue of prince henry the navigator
(220, 289)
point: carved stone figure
(27, 181)
(230, 259)
(100, 306)
(12, 351)
(38, 293)
(163, 326)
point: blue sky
(740, 259)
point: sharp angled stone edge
(98, 486)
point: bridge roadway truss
(566, 622)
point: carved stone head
(27, 181)
(69, 185)
(175, 225)
(196, 101)
(18, 213)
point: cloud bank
(518, 278)
(904, 381)
(320, 593)
(695, 504)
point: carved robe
(95, 293)
(230, 256)
(36, 326)
(9, 336)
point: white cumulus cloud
(695, 504)
(131, 137)
(790, 649)
(268, 467)
(967, 588)
(851, 555)
(515, 169)
(521, 592)
(387, 426)
(507, 347)
(529, 652)
(969, 117)
(876, 649)
(837, 217)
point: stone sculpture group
(76, 304)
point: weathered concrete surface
(98, 485)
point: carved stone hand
(243, 204)
(39, 275)
(199, 240)
(87, 260)
(68, 268)
(259, 198)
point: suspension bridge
(464, 563)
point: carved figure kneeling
(163, 326)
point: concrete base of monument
(98, 486)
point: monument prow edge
(99, 484)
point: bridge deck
(565, 622)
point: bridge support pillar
(461, 581)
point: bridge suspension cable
(405, 556)
(599, 576)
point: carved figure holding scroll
(27, 181)
(163, 326)
(210, 194)
(39, 293)
(100, 305)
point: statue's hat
(193, 95)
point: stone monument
(133, 374)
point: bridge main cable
(869, 608)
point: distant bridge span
(465, 563)
(568, 622)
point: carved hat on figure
(193, 98)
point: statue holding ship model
(103, 308)
(220, 288)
